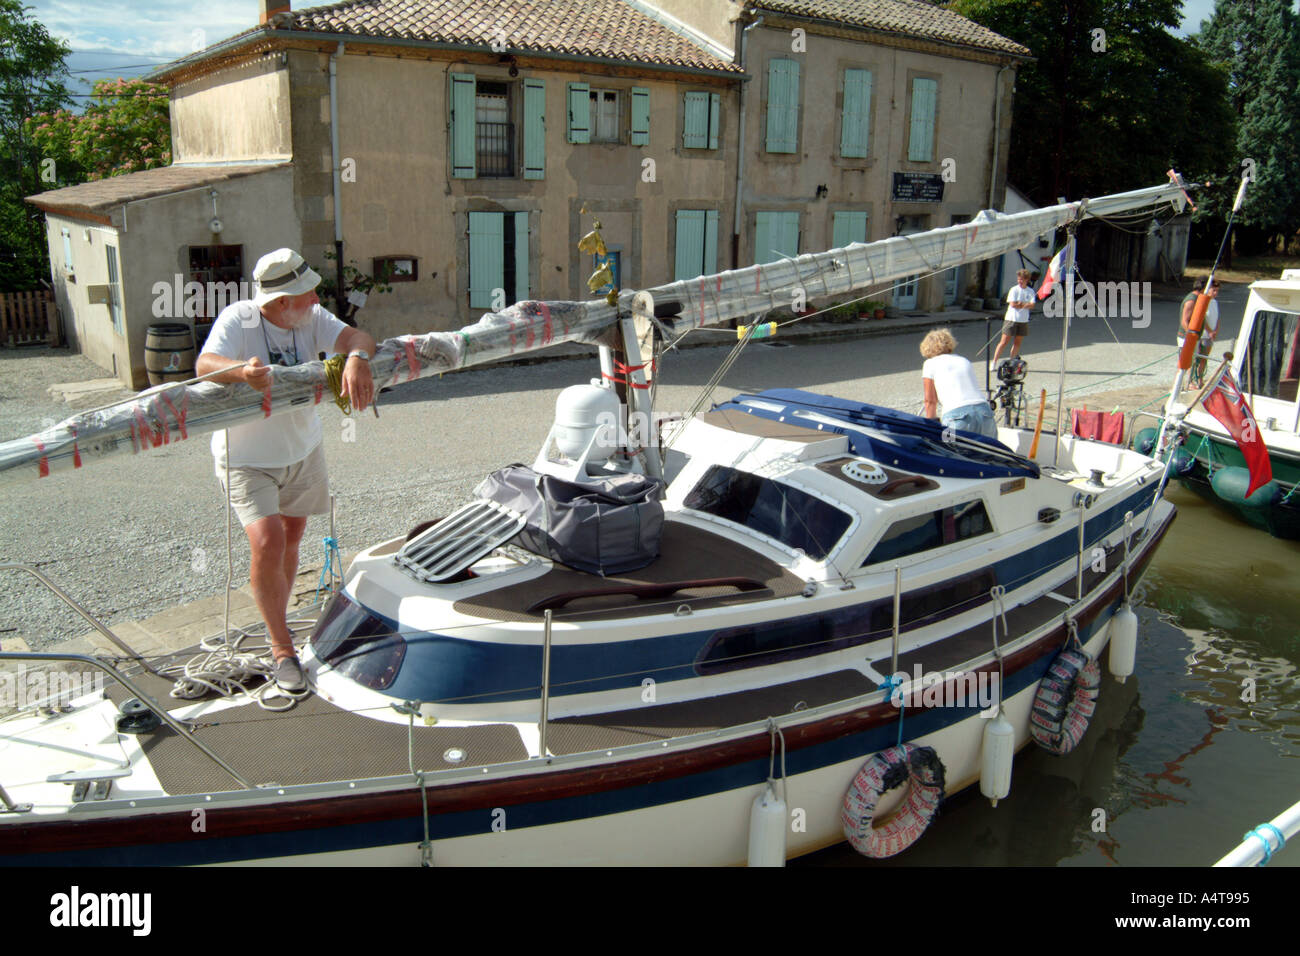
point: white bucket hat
(282, 272)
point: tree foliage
(125, 129)
(1257, 42)
(32, 75)
(1112, 100)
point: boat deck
(686, 554)
(317, 742)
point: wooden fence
(28, 318)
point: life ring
(922, 770)
(1066, 699)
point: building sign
(918, 187)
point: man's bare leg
(293, 532)
(266, 539)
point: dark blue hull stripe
(444, 669)
(409, 830)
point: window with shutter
(534, 129)
(782, 106)
(776, 236)
(848, 226)
(697, 243)
(463, 127)
(604, 112)
(700, 120)
(920, 144)
(855, 122)
(579, 128)
(640, 116)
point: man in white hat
(276, 466)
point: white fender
(995, 757)
(767, 829)
(1123, 642)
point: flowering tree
(124, 129)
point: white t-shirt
(1021, 300)
(240, 332)
(954, 381)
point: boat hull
(685, 800)
(1209, 452)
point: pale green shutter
(710, 264)
(534, 129)
(690, 244)
(782, 106)
(695, 121)
(776, 235)
(789, 233)
(521, 256)
(579, 113)
(715, 110)
(763, 238)
(695, 125)
(848, 226)
(925, 93)
(856, 119)
(486, 266)
(462, 123)
(640, 116)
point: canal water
(1200, 745)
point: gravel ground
(134, 536)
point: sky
(111, 38)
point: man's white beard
(298, 320)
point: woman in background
(949, 380)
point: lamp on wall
(822, 192)
(215, 225)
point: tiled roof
(103, 194)
(915, 18)
(596, 28)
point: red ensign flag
(1226, 403)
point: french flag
(1053, 272)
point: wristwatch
(361, 354)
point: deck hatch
(458, 540)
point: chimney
(270, 8)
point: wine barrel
(169, 353)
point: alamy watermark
(965, 689)
(25, 688)
(179, 299)
(1107, 300)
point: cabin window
(793, 517)
(769, 642)
(1273, 358)
(362, 646)
(933, 529)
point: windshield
(793, 517)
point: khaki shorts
(1017, 329)
(295, 491)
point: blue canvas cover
(890, 437)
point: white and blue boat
(833, 615)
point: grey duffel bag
(603, 526)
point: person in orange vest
(1209, 331)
